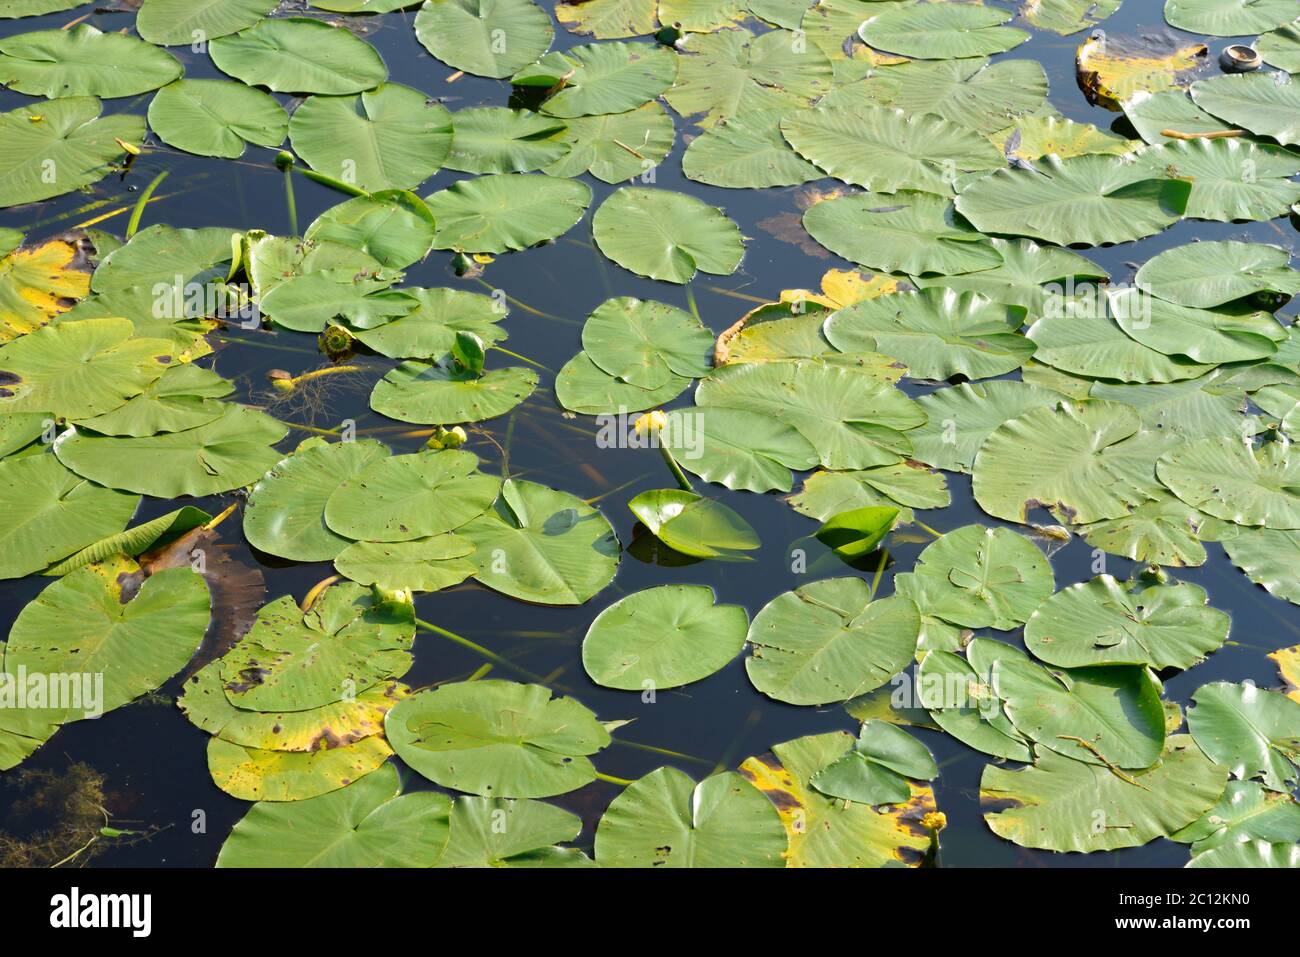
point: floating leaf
(429, 331)
(1163, 531)
(582, 386)
(1154, 115)
(737, 448)
(497, 737)
(81, 61)
(1246, 812)
(662, 638)
(1281, 48)
(538, 544)
(1068, 16)
(908, 485)
(1228, 18)
(747, 151)
(609, 19)
(426, 564)
(136, 540)
(252, 774)
(1112, 70)
(299, 55)
(1029, 275)
(1085, 341)
(855, 533)
(646, 343)
(183, 397)
(1252, 733)
(1208, 274)
(981, 577)
(666, 235)
(1232, 480)
(694, 525)
(1221, 190)
(183, 22)
(172, 257)
(616, 146)
(1249, 854)
(942, 31)
(961, 417)
(216, 117)
(1269, 558)
(960, 697)
(600, 78)
(495, 214)
(829, 641)
(486, 37)
(1267, 104)
(37, 283)
(493, 139)
(440, 395)
(875, 770)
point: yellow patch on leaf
(1288, 663)
(39, 282)
(1111, 70)
(844, 287)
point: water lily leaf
(616, 146)
(1208, 274)
(227, 453)
(938, 333)
(1086, 342)
(875, 769)
(1084, 199)
(609, 19)
(855, 533)
(780, 13)
(426, 564)
(907, 485)
(1035, 136)
(164, 255)
(1220, 191)
(1288, 665)
(366, 824)
(68, 133)
(493, 139)
(1055, 457)
(184, 397)
(1252, 733)
(747, 151)
(824, 833)
(409, 497)
(663, 637)
(980, 577)
(252, 774)
(1068, 16)
(49, 513)
(1060, 804)
(79, 369)
(391, 137)
(1111, 70)
(1281, 48)
(667, 820)
(429, 331)
(83, 62)
(1249, 854)
(1228, 18)
(1246, 812)
(1103, 622)
(296, 661)
(300, 55)
(582, 386)
(135, 540)
(216, 117)
(393, 226)
(34, 8)
(666, 235)
(541, 545)
(1028, 275)
(497, 737)
(829, 641)
(851, 419)
(311, 302)
(484, 37)
(646, 343)
(908, 232)
(1267, 104)
(971, 92)
(737, 448)
(179, 324)
(885, 149)
(700, 16)
(958, 692)
(286, 508)
(496, 832)
(183, 22)
(1269, 558)
(84, 624)
(1103, 716)
(1153, 113)
(600, 78)
(1207, 337)
(1163, 531)
(961, 417)
(832, 26)
(942, 31)
(785, 331)
(1229, 479)
(732, 72)
(438, 395)
(37, 283)
(494, 214)
(694, 525)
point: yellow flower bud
(650, 422)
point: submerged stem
(138, 212)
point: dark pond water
(153, 760)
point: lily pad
(493, 139)
(646, 343)
(1085, 340)
(666, 235)
(299, 55)
(429, 331)
(1152, 114)
(38, 283)
(1200, 335)
(1246, 812)
(737, 448)
(494, 214)
(959, 694)
(961, 417)
(1281, 48)
(426, 564)
(183, 397)
(497, 738)
(663, 637)
(1260, 102)
(443, 395)
(1269, 558)
(693, 525)
(184, 22)
(747, 151)
(393, 226)
(1251, 732)
(486, 37)
(875, 770)
(907, 485)
(1069, 16)
(600, 78)
(1229, 479)
(1249, 854)
(616, 146)
(82, 61)
(1228, 18)
(829, 641)
(1221, 190)
(1208, 274)
(582, 386)
(252, 774)
(942, 31)
(216, 117)
(609, 19)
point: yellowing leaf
(844, 287)
(38, 283)
(1288, 663)
(1034, 137)
(1111, 70)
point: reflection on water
(153, 761)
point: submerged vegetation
(965, 340)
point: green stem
(478, 649)
(880, 571)
(928, 528)
(515, 355)
(136, 214)
(289, 198)
(682, 481)
(690, 301)
(609, 778)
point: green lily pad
(495, 214)
(875, 770)
(1200, 335)
(1229, 479)
(855, 533)
(1254, 101)
(646, 343)
(1163, 531)
(34, 8)
(747, 151)
(393, 226)
(299, 55)
(959, 694)
(497, 738)
(694, 525)
(493, 139)
(1251, 732)
(486, 37)
(907, 485)
(1270, 559)
(541, 545)
(1153, 113)
(961, 417)
(497, 832)
(582, 386)
(1069, 16)
(216, 117)
(600, 78)
(1084, 341)
(616, 146)
(1249, 854)
(1281, 48)
(1245, 812)
(1028, 275)
(438, 395)
(829, 641)
(666, 235)
(82, 61)
(161, 254)
(366, 824)
(171, 23)
(737, 448)
(135, 540)
(942, 31)
(183, 397)
(1059, 804)
(667, 820)
(663, 637)
(429, 331)
(609, 19)
(1228, 18)
(1208, 274)
(426, 564)
(1220, 190)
